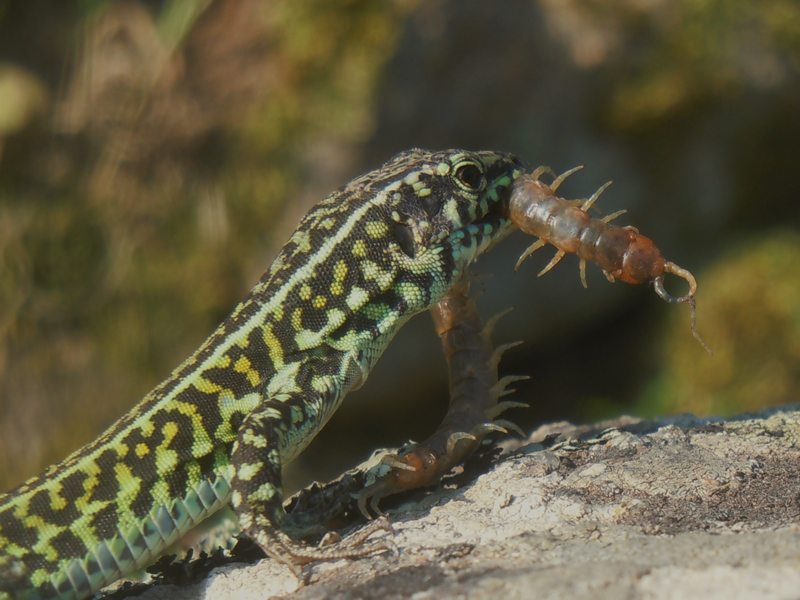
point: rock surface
(673, 508)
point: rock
(677, 507)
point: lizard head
(450, 203)
(389, 243)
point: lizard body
(384, 247)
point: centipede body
(622, 253)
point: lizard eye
(470, 176)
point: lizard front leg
(257, 495)
(474, 393)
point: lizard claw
(395, 463)
(498, 352)
(501, 388)
(510, 425)
(485, 428)
(411, 470)
(503, 406)
(456, 437)
(491, 323)
(372, 496)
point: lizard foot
(295, 554)
(423, 465)
(418, 467)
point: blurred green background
(155, 154)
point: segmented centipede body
(621, 252)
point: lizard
(389, 244)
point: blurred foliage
(750, 315)
(154, 154)
(137, 216)
(21, 98)
(676, 55)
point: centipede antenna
(582, 269)
(553, 262)
(542, 170)
(670, 267)
(540, 243)
(560, 179)
(658, 284)
(614, 215)
(696, 334)
(593, 198)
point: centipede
(621, 252)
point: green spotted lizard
(386, 246)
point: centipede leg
(553, 262)
(610, 217)
(560, 179)
(528, 251)
(542, 170)
(593, 198)
(582, 269)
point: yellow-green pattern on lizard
(369, 256)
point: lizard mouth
(495, 223)
(487, 225)
(492, 222)
(497, 213)
(481, 233)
